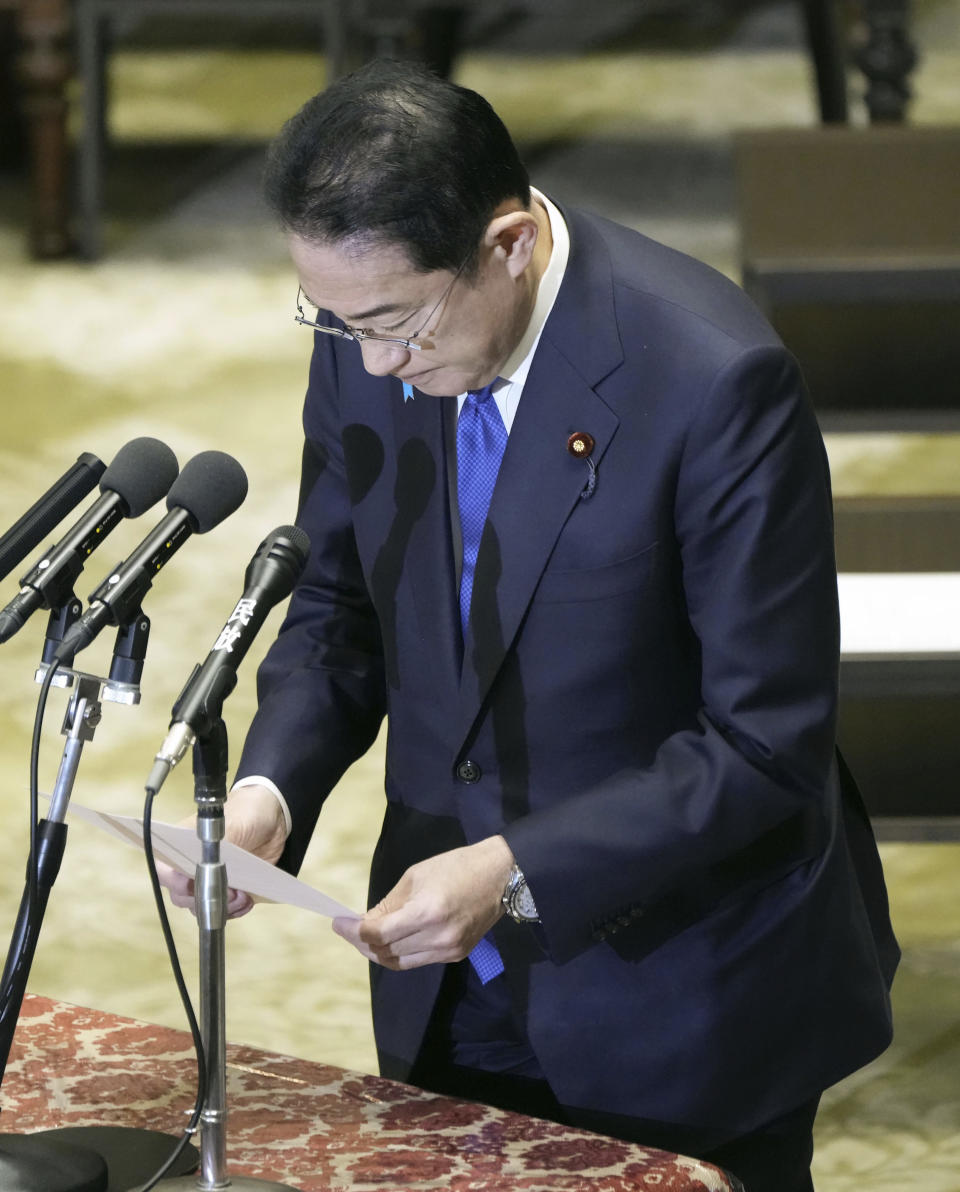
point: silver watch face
(523, 902)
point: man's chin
(435, 384)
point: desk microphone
(274, 569)
(139, 475)
(60, 499)
(211, 486)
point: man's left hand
(438, 911)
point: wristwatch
(517, 899)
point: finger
(353, 931)
(381, 928)
(345, 928)
(419, 959)
(182, 894)
(171, 878)
(387, 959)
(239, 903)
(410, 952)
(181, 889)
(416, 925)
(348, 929)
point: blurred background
(143, 291)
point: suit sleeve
(321, 686)
(745, 794)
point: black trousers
(773, 1158)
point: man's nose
(380, 359)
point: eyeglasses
(359, 334)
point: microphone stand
(81, 1158)
(28, 1161)
(210, 886)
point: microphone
(139, 475)
(59, 500)
(274, 569)
(210, 487)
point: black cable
(33, 867)
(184, 996)
(33, 861)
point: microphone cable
(181, 984)
(33, 862)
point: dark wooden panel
(897, 533)
(848, 193)
(850, 243)
(904, 751)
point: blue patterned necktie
(481, 439)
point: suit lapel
(538, 487)
(540, 481)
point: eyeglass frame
(358, 334)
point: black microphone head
(211, 486)
(140, 473)
(279, 561)
(292, 537)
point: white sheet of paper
(180, 848)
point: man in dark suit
(621, 881)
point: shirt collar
(517, 365)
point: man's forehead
(358, 283)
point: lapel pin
(407, 392)
(581, 445)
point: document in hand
(179, 847)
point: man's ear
(512, 238)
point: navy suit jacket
(647, 692)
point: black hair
(393, 154)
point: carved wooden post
(44, 70)
(887, 59)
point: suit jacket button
(469, 772)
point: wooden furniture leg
(825, 40)
(887, 59)
(44, 27)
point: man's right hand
(253, 820)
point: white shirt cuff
(259, 780)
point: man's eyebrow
(375, 312)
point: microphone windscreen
(279, 561)
(141, 473)
(211, 486)
(299, 539)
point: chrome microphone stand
(210, 891)
(92, 1151)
